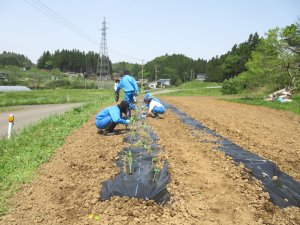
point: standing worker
(130, 88)
(108, 118)
(117, 81)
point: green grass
(10, 108)
(196, 88)
(293, 106)
(51, 96)
(21, 155)
(198, 84)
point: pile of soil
(206, 186)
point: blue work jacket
(128, 84)
(113, 112)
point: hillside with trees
(233, 62)
(176, 67)
(14, 59)
(274, 64)
(69, 61)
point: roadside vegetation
(21, 155)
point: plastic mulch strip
(284, 191)
(138, 177)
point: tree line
(274, 64)
(177, 67)
(14, 59)
(69, 61)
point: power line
(43, 8)
(66, 21)
(59, 19)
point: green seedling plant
(132, 135)
(145, 144)
(156, 171)
(133, 120)
(145, 127)
(154, 161)
(129, 158)
(148, 148)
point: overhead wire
(59, 19)
(43, 8)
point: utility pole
(103, 71)
(142, 84)
(192, 75)
(86, 73)
(156, 73)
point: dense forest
(69, 61)
(270, 62)
(13, 59)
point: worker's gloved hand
(127, 122)
(144, 115)
(134, 99)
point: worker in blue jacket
(108, 118)
(154, 107)
(146, 98)
(130, 88)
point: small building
(3, 76)
(142, 81)
(152, 84)
(164, 82)
(201, 77)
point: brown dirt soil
(206, 187)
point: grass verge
(196, 88)
(21, 155)
(51, 96)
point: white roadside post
(11, 119)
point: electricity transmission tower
(103, 71)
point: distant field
(197, 88)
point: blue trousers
(129, 98)
(159, 110)
(106, 123)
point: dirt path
(206, 187)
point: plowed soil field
(206, 186)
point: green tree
(274, 64)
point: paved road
(25, 115)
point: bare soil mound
(206, 187)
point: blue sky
(140, 29)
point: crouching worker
(108, 118)
(146, 106)
(155, 107)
